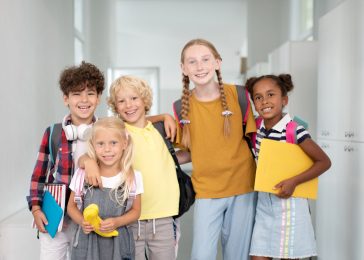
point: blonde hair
(127, 172)
(185, 99)
(132, 82)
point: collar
(282, 124)
(134, 129)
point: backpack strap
(291, 134)
(244, 102)
(54, 141)
(258, 122)
(160, 127)
(79, 176)
(177, 108)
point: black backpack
(186, 191)
(54, 141)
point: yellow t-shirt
(221, 166)
(152, 158)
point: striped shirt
(278, 132)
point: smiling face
(268, 101)
(82, 105)
(109, 147)
(130, 107)
(199, 64)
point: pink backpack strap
(245, 119)
(80, 179)
(132, 195)
(258, 122)
(291, 136)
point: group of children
(130, 175)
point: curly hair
(283, 81)
(78, 78)
(135, 83)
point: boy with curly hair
(82, 87)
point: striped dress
(283, 227)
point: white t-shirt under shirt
(109, 182)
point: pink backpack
(291, 136)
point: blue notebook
(53, 213)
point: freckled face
(199, 64)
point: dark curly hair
(284, 81)
(78, 78)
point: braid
(224, 104)
(185, 100)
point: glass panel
(78, 15)
(306, 15)
(78, 45)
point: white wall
(268, 27)
(320, 9)
(153, 33)
(36, 43)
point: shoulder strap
(177, 108)
(244, 102)
(54, 140)
(291, 135)
(258, 122)
(243, 98)
(160, 127)
(300, 121)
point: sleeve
(250, 124)
(302, 134)
(139, 183)
(40, 171)
(179, 132)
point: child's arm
(169, 124)
(92, 171)
(183, 156)
(39, 218)
(321, 163)
(110, 224)
(76, 215)
(37, 182)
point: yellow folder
(279, 161)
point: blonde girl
(155, 232)
(111, 146)
(223, 167)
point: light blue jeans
(232, 217)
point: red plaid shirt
(60, 172)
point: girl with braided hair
(223, 167)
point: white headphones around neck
(75, 132)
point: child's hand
(108, 225)
(92, 172)
(86, 227)
(286, 187)
(40, 219)
(170, 127)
